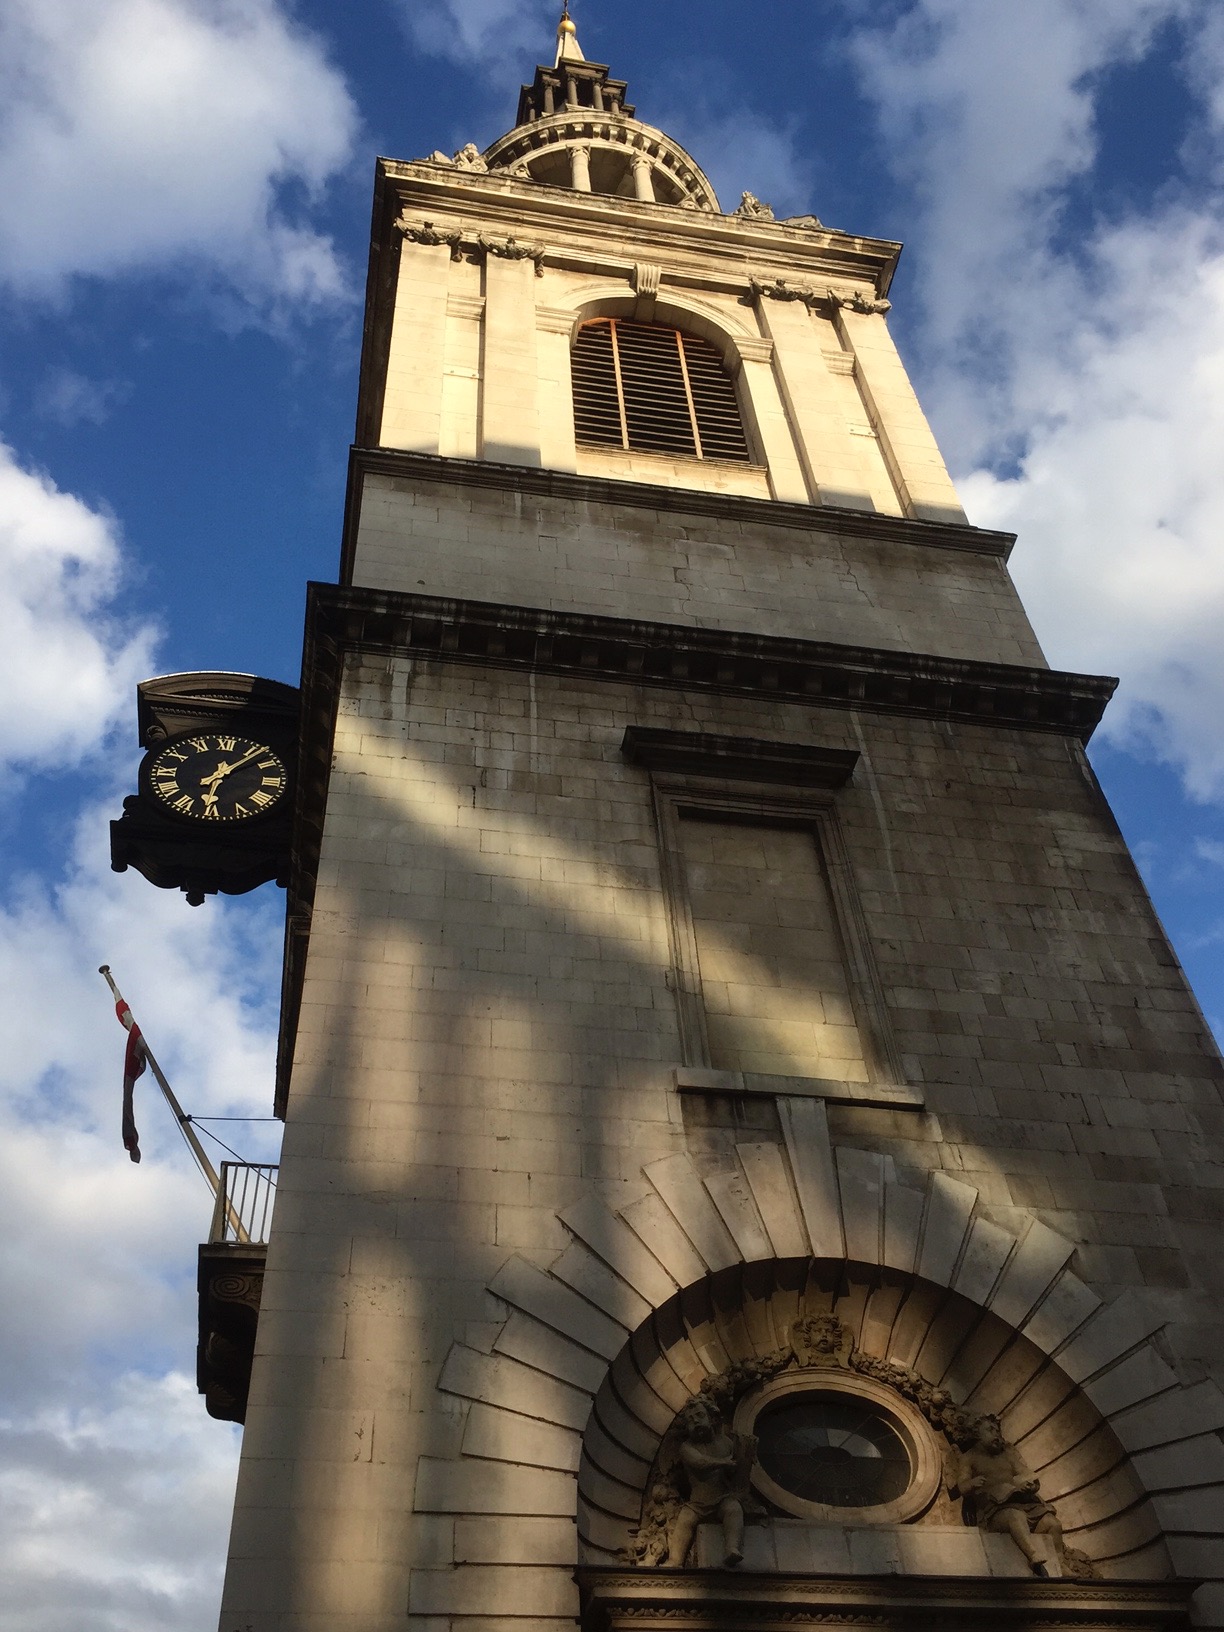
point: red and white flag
(133, 1067)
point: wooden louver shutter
(652, 389)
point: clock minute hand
(224, 769)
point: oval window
(833, 1449)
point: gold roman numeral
(227, 744)
(259, 798)
(183, 804)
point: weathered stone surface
(489, 1032)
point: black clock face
(213, 777)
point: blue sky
(184, 209)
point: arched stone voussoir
(659, 1295)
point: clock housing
(215, 807)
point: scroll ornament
(702, 1471)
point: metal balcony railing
(244, 1203)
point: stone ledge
(751, 759)
(613, 1600)
(693, 1079)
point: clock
(215, 776)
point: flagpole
(185, 1127)
(183, 1120)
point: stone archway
(735, 1333)
(627, 1322)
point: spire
(568, 49)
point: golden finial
(568, 48)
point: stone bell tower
(751, 1155)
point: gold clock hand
(224, 771)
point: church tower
(751, 1154)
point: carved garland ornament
(853, 300)
(506, 249)
(702, 1469)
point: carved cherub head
(822, 1340)
(989, 1435)
(698, 1420)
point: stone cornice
(617, 1598)
(560, 484)
(533, 208)
(720, 660)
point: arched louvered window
(653, 389)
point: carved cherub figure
(751, 205)
(716, 1464)
(469, 157)
(1001, 1492)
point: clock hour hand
(224, 769)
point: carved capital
(751, 349)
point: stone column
(643, 178)
(909, 448)
(510, 431)
(830, 459)
(412, 404)
(766, 420)
(580, 168)
(554, 333)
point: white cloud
(68, 661)
(70, 399)
(116, 1487)
(1076, 368)
(142, 133)
(496, 34)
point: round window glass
(833, 1449)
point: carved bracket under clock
(214, 811)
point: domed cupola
(575, 129)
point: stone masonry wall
(488, 1033)
(491, 544)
